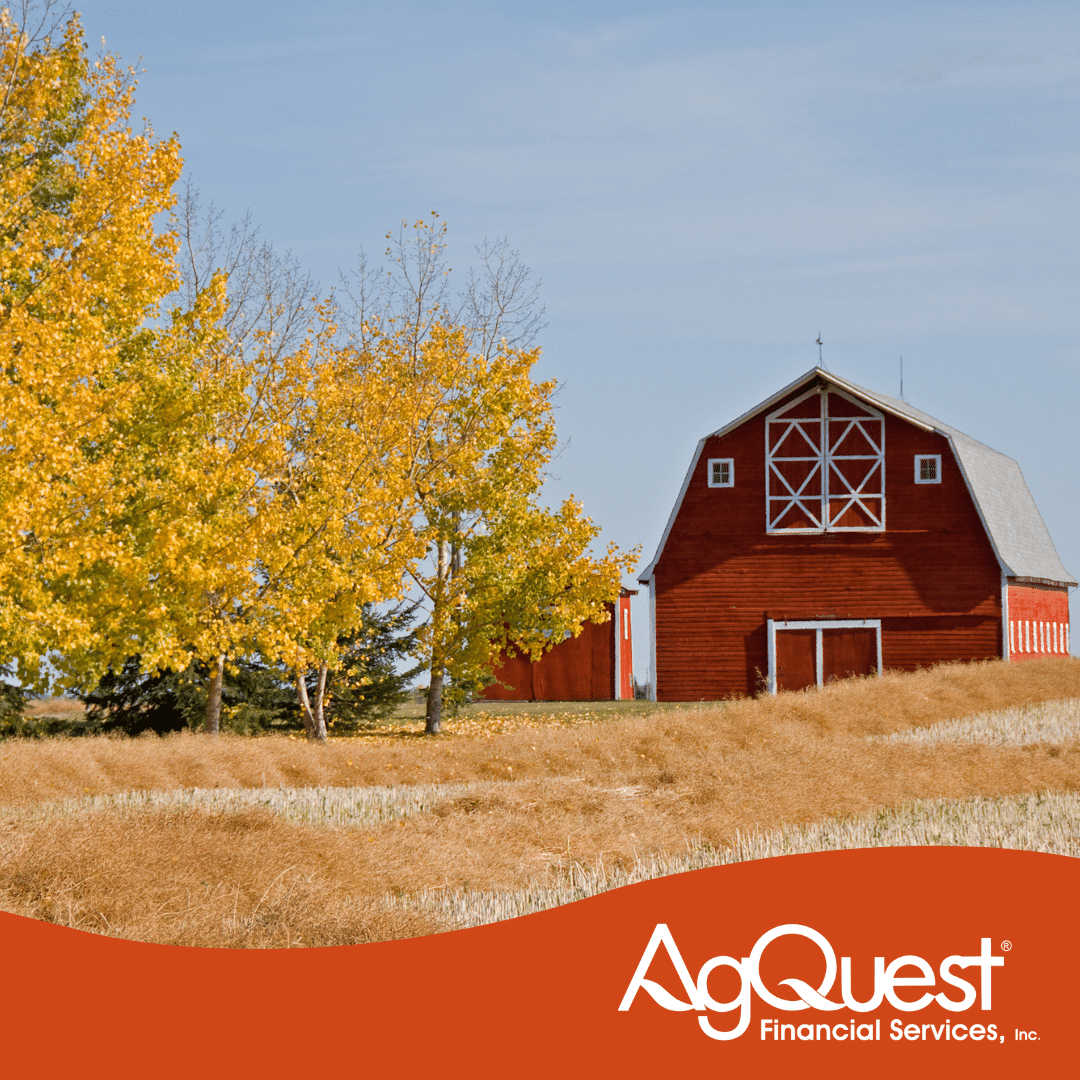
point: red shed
(597, 665)
(833, 531)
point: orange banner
(885, 962)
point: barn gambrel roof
(1012, 521)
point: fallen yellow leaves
(487, 725)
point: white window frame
(824, 467)
(772, 625)
(919, 459)
(730, 463)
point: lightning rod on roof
(901, 376)
(821, 363)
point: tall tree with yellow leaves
(501, 569)
(504, 572)
(311, 506)
(91, 377)
(211, 484)
(277, 511)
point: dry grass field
(273, 842)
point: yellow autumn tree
(175, 486)
(194, 486)
(503, 571)
(300, 512)
(93, 378)
(272, 511)
(352, 500)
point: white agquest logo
(886, 981)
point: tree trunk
(213, 697)
(318, 710)
(314, 713)
(310, 727)
(433, 723)
(434, 702)
(320, 713)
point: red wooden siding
(515, 675)
(1038, 621)
(580, 668)
(931, 576)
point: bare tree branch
(500, 301)
(268, 292)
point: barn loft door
(825, 465)
(813, 653)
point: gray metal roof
(1012, 521)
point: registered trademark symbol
(1006, 946)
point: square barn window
(927, 468)
(721, 472)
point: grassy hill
(391, 834)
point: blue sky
(701, 187)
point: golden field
(274, 842)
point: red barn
(833, 531)
(597, 665)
